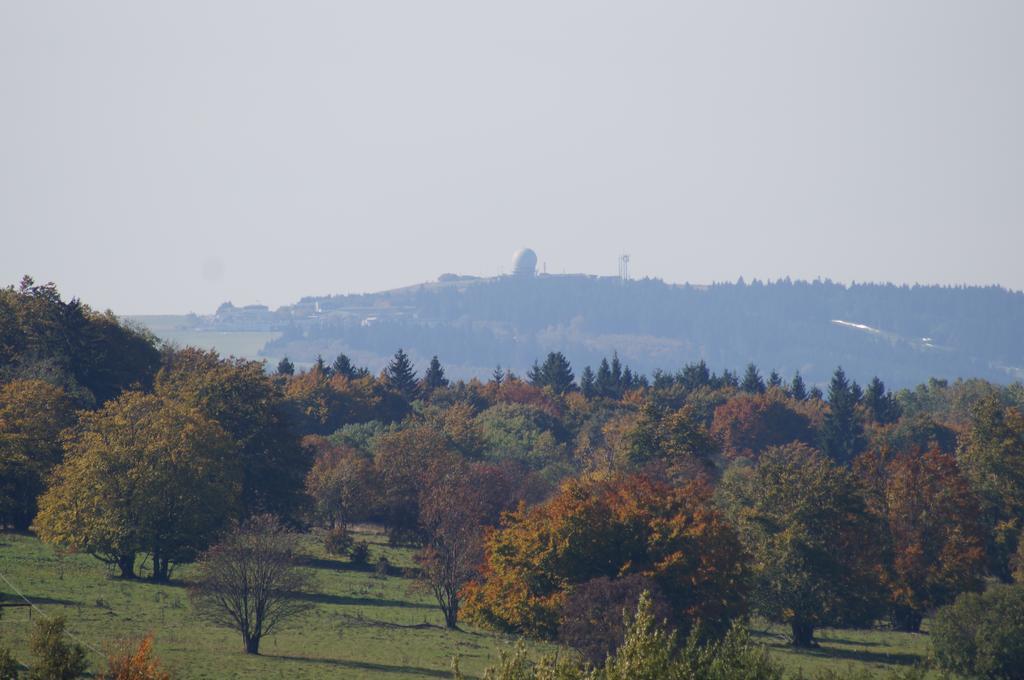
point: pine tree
(797, 389)
(628, 380)
(842, 433)
(604, 385)
(816, 394)
(728, 379)
(556, 373)
(774, 379)
(587, 382)
(498, 376)
(617, 374)
(401, 376)
(321, 367)
(881, 407)
(285, 367)
(695, 375)
(343, 366)
(752, 382)
(534, 375)
(434, 377)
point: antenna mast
(624, 267)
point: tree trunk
(160, 568)
(803, 634)
(451, 616)
(126, 563)
(252, 644)
(906, 620)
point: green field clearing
(362, 626)
(179, 330)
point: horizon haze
(164, 159)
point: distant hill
(905, 334)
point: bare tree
(248, 582)
(451, 513)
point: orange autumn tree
(610, 528)
(747, 424)
(936, 540)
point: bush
(592, 619)
(360, 553)
(55, 658)
(338, 540)
(8, 665)
(383, 567)
(134, 660)
(648, 652)
(982, 635)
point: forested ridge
(541, 504)
(907, 333)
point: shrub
(134, 660)
(360, 553)
(338, 540)
(982, 635)
(8, 665)
(383, 566)
(649, 652)
(592, 619)
(55, 658)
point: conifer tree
(434, 377)
(695, 375)
(797, 389)
(842, 433)
(752, 381)
(322, 367)
(881, 407)
(603, 384)
(616, 374)
(285, 367)
(401, 376)
(774, 379)
(587, 382)
(343, 366)
(498, 376)
(628, 380)
(534, 376)
(556, 373)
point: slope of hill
(905, 333)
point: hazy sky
(165, 157)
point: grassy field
(179, 330)
(362, 626)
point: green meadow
(363, 624)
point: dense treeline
(540, 505)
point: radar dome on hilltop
(524, 263)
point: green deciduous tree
(991, 453)
(32, 415)
(982, 635)
(812, 542)
(251, 407)
(142, 474)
